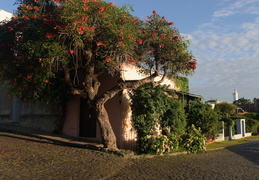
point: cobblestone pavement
(25, 157)
(236, 162)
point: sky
(224, 37)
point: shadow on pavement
(54, 139)
(249, 150)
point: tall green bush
(252, 122)
(203, 116)
(155, 108)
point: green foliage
(252, 125)
(251, 116)
(182, 83)
(229, 120)
(153, 108)
(159, 144)
(203, 116)
(193, 140)
(226, 108)
(161, 41)
(252, 122)
(242, 101)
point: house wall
(113, 106)
(37, 115)
(131, 72)
(129, 134)
(5, 104)
(40, 115)
(71, 122)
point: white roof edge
(5, 16)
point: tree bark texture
(107, 133)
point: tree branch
(124, 85)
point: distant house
(213, 102)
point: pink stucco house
(78, 123)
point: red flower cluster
(57, 1)
(121, 43)
(131, 60)
(111, 4)
(50, 20)
(26, 17)
(138, 41)
(108, 59)
(10, 28)
(135, 21)
(57, 27)
(100, 43)
(85, 7)
(100, 9)
(193, 64)
(36, 8)
(163, 35)
(162, 45)
(81, 26)
(35, 16)
(49, 35)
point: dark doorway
(87, 121)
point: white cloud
(224, 13)
(237, 7)
(228, 59)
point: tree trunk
(107, 134)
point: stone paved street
(51, 157)
(236, 162)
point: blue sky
(224, 38)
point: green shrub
(193, 140)
(159, 144)
(154, 108)
(203, 116)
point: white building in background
(235, 95)
(5, 16)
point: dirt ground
(25, 157)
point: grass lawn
(231, 142)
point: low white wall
(248, 134)
(237, 136)
(220, 137)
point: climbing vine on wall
(155, 108)
(182, 83)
